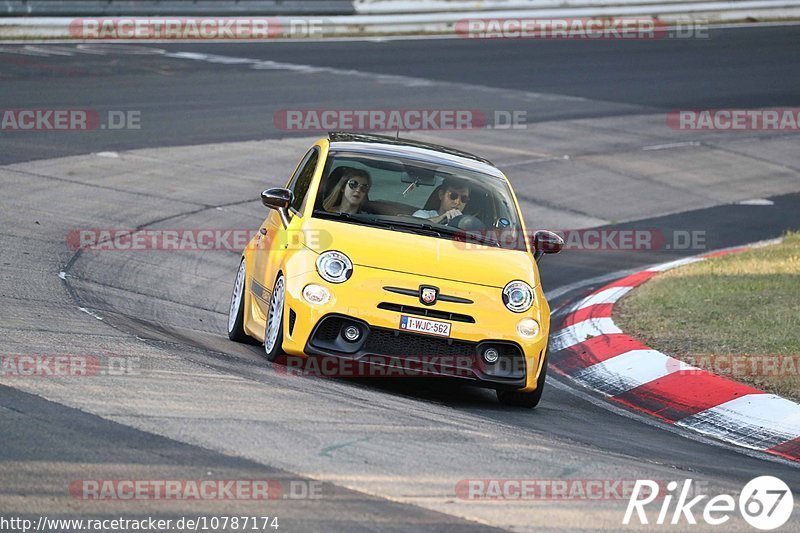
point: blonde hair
(334, 199)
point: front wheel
(273, 334)
(236, 310)
(525, 399)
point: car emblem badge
(427, 295)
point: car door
(273, 239)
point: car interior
(400, 192)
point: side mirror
(546, 242)
(279, 199)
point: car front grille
(394, 343)
(426, 311)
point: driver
(453, 197)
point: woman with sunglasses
(453, 197)
(350, 192)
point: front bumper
(316, 330)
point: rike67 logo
(765, 503)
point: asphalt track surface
(199, 102)
(572, 434)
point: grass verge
(737, 315)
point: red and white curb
(590, 349)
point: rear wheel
(273, 334)
(525, 399)
(236, 309)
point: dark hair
(334, 198)
(454, 184)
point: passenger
(350, 192)
(452, 198)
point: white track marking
(674, 264)
(629, 370)
(669, 146)
(606, 296)
(757, 421)
(577, 333)
(98, 317)
(51, 50)
(407, 81)
(756, 201)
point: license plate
(422, 325)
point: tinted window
(302, 180)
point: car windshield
(409, 195)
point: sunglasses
(455, 196)
(354, 184)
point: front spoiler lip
(474, 379)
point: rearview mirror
(546, 242)
(279, 199)
(418, 176)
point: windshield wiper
(425, 228)
(371, 220)
(441, 230)
(407, 225)
(344, 216)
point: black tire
(530, 399)
(278, 291)
(236, 321)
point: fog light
(491, 355)
(316, 294)
(351, 333)
(528, 328)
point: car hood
(429, 257)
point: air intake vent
(292, 320)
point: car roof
(429, 152)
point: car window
(409, 191)
(302, 179)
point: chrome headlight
(527, 328)
(316, 294)
(518, 296)
(334, 266)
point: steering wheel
(467, 223)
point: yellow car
(388, 251)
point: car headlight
(518, 296)
(334, 266)
(316, 294)
(527, 328)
